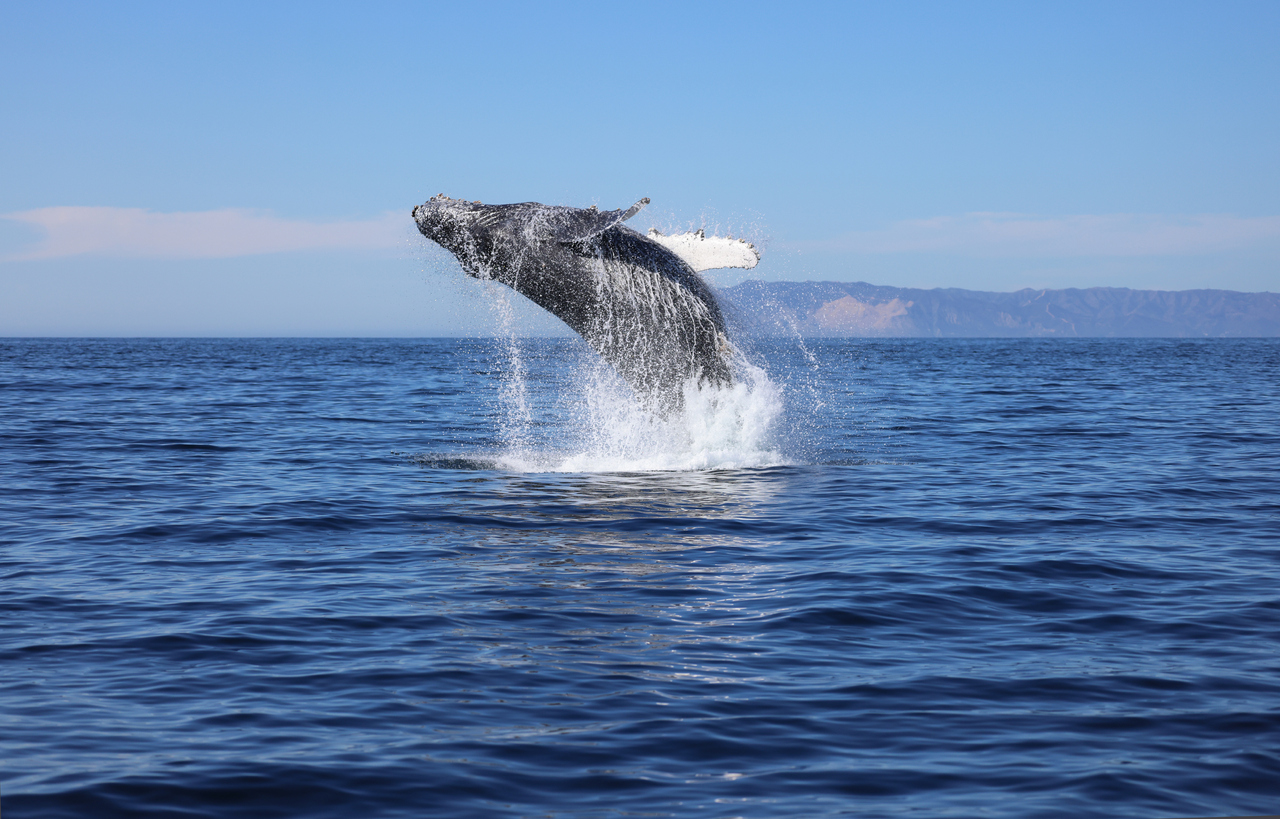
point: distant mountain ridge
(837, 309)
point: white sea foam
(611, 431)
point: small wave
(464, 463)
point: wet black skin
(635, 302)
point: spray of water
(674, 395)
(513, 397)
(611, 431)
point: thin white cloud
(212, 234)
(1015, 234)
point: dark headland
(842, 309)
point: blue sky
(248, 169)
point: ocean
(468, 578)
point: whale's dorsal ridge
(702, 252)
(634, 209)
(575, 225)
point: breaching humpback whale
(637, 300)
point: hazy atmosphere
(233, 169)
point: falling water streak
(516, 430)
(816, 396)
(805, 380)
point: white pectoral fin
(702, 252)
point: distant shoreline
(829, 309)
(862, 310)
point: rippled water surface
(339, 578)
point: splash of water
(724, 422)
(728, 427)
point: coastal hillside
(837, 309)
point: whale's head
(450, 223)
(488, 240)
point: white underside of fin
(702, 252)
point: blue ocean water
(415, 578)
